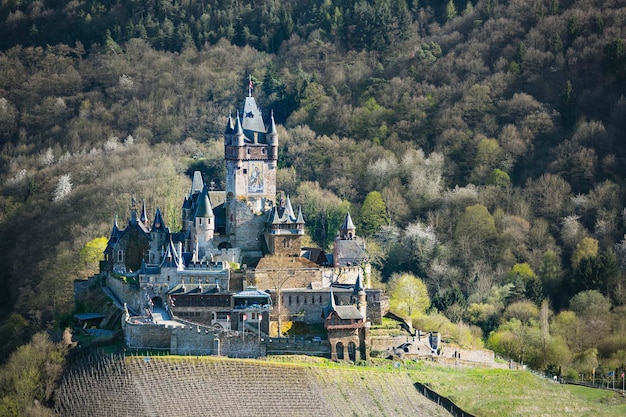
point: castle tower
(204, 221)
(284, 230)
(159, 234)
(251, 153)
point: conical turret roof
(204, 208)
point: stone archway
(352, 351)
(339, 348)
(224, 245)
(157, 302)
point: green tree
(483, 315)
(498, 178)
(476, 223)
(550, 273)
(323, 210)
(373, 214)
(408, 295)
(525, 283)
(596, 273)
(31, 374)
(91, 254)
(586, 248)
(451, 11)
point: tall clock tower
(251, 154)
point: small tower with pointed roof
(203, 221)
(347, 231)
(284, 230)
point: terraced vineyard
(112, 386)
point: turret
(144, 217)
(239, 136)
(229, 131)
(204, 220)
(361, 297)
(272, 139)
(347, 231)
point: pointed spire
(358, 285)
(272, 130)
(229, 130)
(115, 230)
(172, 258)
(158, 223)
(347, 231)
(273, 217)
(330, 306)
(204, 206)
(239, 132)
(144, 217)
(197, 183)
(289, 214)
(347, 223)
(300, 219)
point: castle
(237, 267)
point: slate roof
(348, 312)
(204, 208)
(194, 289)
(252, 117)
(347, 223)
(285, 262)
(349, 251)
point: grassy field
(498, 392)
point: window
(297, 299)
(320, 299)
(120, 256)
(289, 300)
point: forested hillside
(481, 146)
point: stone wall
(146, 336)
(246, 227)
(469, 355)
(304, 304)
(125, 292)
(193, 340)
(293, 346)
(419, 346)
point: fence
(442, 401)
